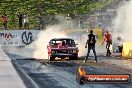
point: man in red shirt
(5, 20)
(108, 40)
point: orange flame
(81, 71)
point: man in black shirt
(91, 45)
(20, 18)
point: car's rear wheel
(51, 58)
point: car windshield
(68, 42)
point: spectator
(108, 40)
(120, 44)
(20, 17)
(41, 22)
(5, 21)
(25, 20)
(81, 23)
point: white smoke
(55, 31)
(44, 37)
(123, 22)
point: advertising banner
(18, 37)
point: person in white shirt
(120, 44)
(25, 21)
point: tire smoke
(122, 23)
(44, 37)
(54, 31)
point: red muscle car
(62, 48)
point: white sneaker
(95, 61)
(84, 61)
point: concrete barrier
(127, 50)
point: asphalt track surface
(38, 73)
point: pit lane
(62, 73)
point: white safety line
(30, 79)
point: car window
(68, 42)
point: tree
(48, 8)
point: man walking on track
(91, 45)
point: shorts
(109, 42)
